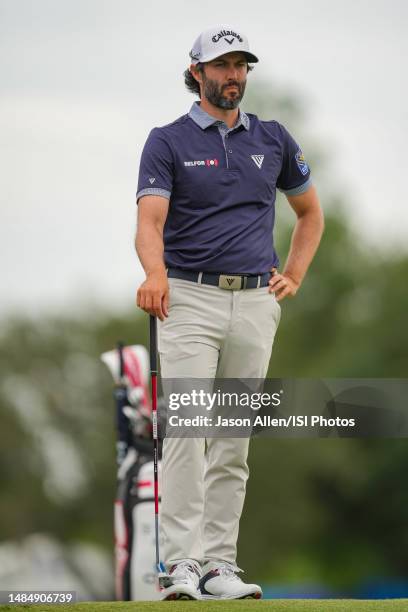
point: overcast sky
(82, 82)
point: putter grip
(153, 344)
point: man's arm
(153, 294)
(305, 240)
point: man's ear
(196, 73)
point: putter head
(165, 580)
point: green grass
(266, 605)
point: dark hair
(192, 84)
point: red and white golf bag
(135, 566)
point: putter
(164, 579)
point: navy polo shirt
(221, 184)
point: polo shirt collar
(204, 120)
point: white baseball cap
(219, 40)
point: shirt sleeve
(156, 167)
(294, 177)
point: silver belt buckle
(230, 281)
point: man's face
(224, 80)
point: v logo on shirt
(258, 159)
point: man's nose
(232, 73)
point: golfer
(206, 209)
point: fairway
(266, 605)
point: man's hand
(282, 285)
(153, 295)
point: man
(206, 194)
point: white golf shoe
(185, 576)
(220, 581)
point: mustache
(232, 84)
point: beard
(215, 93)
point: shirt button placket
(225, 148)
(227, 151)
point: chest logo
(202, 162)
(258, 159)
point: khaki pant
(210, 332)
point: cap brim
(252, 59)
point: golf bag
(135, 568)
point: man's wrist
(158, 271)
(293, 277)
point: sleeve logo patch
(301, 162)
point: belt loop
(200, 276)
(258, 284)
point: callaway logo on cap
(219, 40)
